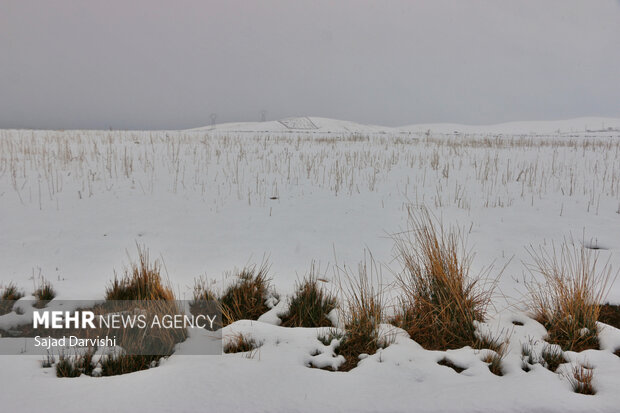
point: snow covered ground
(73, 204)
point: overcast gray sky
(169, 64)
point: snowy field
(73, 205)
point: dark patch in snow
(445, 362)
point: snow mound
(304, 123)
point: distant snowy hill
(300, 124)
(537, 127)
(326, 125)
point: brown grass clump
(205, 301)
(581, 380)
(114, 365)
(9, 295)
(109, 365)
(496, 350)
(75, 366)
(494, 360)
(140, 291)
(440, 302)
(202, 292)
(241, 344)
(362, 314)
(568, 302)
(246, 298)
(141, 282)
(610, 314)
(310, 304)
(44, 293)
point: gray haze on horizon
(169, 65)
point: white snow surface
(578, 126)
(73, 205)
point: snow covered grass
(72, 202)
(581, 380)
(568, 302)
(41, 166)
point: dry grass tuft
(76, 365)
(310, 304)
(528, 358)
(551, 357)
(203, 299)
(9, 295)
(202, 291)
(44, 293)
(241, 344)
(581, 380)
(495, 352)
(568, 302)
(362, 314)
(140, 290)
(486, 341)
(494, 360)
(440, 302)
(246, 298)
(141, 282)
(109, 365)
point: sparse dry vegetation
(76, 365)
(44, 293)
(362, 313)
(440, 302)
(463, 171)
(142, 281)
(116, 364)
(567, 301)
(241, 343)
(10, 294)
(494, 360)
(552, 356)
(581, 380)
(143, 287)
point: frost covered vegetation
(517, 322)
